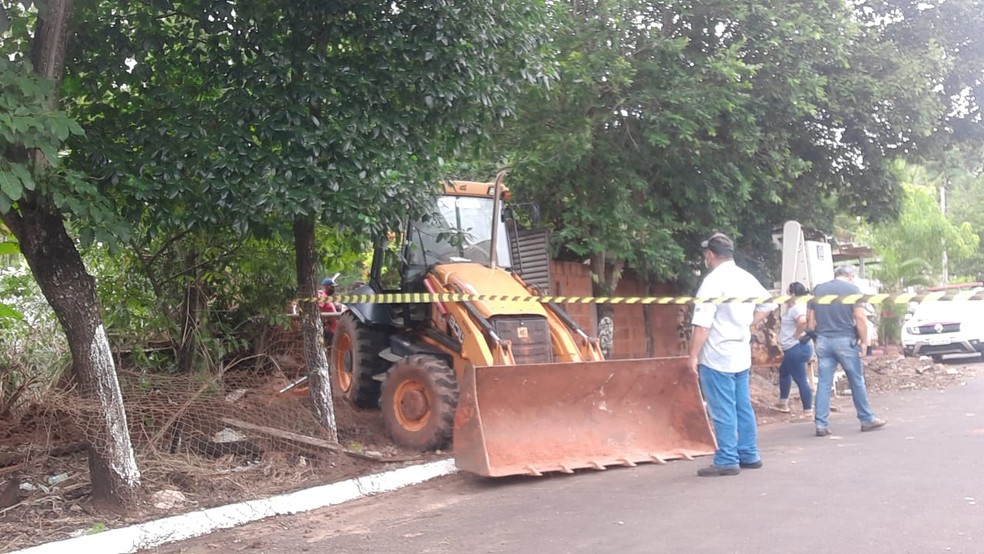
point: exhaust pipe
(493, 256)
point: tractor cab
(459, 229)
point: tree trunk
(61, 275)
(191, 309)
(311, 327)
(606, 329)
(71, 291)
(606, 277)
(51, 39)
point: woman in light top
(797, 349)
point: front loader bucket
(531, 419)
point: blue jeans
(833, 351)
(730, 403)
(793, 368)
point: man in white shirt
(721, 354)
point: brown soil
(36, 512)
(886, 371)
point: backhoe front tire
(355, 360)
(418, 401)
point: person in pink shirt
(328, 307)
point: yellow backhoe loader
(517, 385)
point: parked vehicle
(940, 328)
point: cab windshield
(458, 230)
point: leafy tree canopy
(208, 112)
(911, 246)
(674, 119)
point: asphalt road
(915, 486)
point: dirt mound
(884, 372)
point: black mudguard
(370, 313)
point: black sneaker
(717, 471)
(750, 465)
(822, 431)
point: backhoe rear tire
(355, 360)
(418, 401)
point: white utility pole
(945, 276)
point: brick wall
(630, 339)
(631, 336)
(574, 279)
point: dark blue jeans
(730, 403)
(793, 368)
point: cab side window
(391, 274)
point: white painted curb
(201, 522)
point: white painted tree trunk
(317, 364)
(311, 327)
(118, 455)
(61, 275)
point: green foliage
(246, 284)
(911, 246)
(26, 122)
(890, 323)
(9, 250)
(671, 120)
(145, 289)
(34, 347)
(29, 123)
(952, 28)
(17, 20)
(342, 252)
(667, 122)
(962, 170)
(7, 312)
(211, 125)
(250, 114)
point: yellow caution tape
(423, 298)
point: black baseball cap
(719, 243)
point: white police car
(937, 329)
